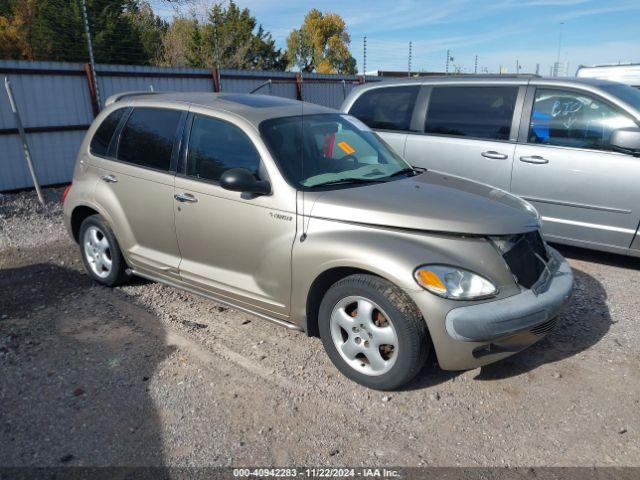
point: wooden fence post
(216, 79)
(92, 89)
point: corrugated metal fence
(57, 103)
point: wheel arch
(78, 215)
(322, 283)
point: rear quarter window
(103, 135)
(388, 108)
(475, 112)
(148, 136)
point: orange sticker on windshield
(346, 148)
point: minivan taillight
(65, 193)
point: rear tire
(101, 253)
(373, 332)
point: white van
(628, 73)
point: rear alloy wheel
(373, 332)
(97, 251)
(101, 254)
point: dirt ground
(149, 375)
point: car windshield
(330, 149)
(625, 93)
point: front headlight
(455, 283)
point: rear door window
(574, 119)
(387, 108)
(148, 136)
(102, 138)
(216, 146)
(474, 112)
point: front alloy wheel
(373, 332)
(364, 336)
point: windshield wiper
(340, 181)
(403, 171)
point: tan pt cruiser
(303, 216)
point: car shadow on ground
(76, 372)
(581, 325)
(604, 258)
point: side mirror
(626, 140)
(242, 180)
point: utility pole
(517, 67)
(446, 69)
(537, 69)
(475, 68)
(216, 51)
(557, 65)
(92, 62)
(409, 69)
(364, 61)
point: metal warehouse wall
(57, 104)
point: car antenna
(303, 237)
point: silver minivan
(568, 146)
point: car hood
(431, 201)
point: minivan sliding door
(469, 131)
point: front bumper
(469, 336)
(494, 320)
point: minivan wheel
(373, 333)
(101, 254)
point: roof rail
(122, 95)
(490, 75)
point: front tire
(101, 253)
(372, 331)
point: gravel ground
(149, 375)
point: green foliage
(128, 32)
(150, 29)
(321, 45)
(231, 38)
(123, 31)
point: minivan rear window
(475, 112)
(147, 137)
(102, 138)
(387, 108)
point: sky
(502, 33)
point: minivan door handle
(109, 179)
(495, 155)
(536, 159)
(185, 197)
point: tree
(54, 30)
(175, 43)
(321, 45)
(232, 38)
(150, 29)
(16, 20)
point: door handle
(495, 155)
(109, 179)
(185, 197)
(536, 159)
